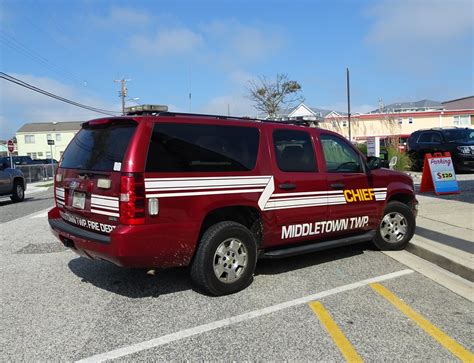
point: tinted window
(425, 137)
(99, 147)
(339, 155)
(459, 135)
(294, 150)
(436, 138)
(430, 137)
(202, 148)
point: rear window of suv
(99, 147)
(202, 148)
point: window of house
(49, 137)
(400, 121)
(29, 139)
(410, 120)
(344, 123)
(339, 155)
(40, 154)
(33, 156)
(48, 154)
(294, 151)
(58, 137)
(461, 120)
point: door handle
(287, 186)
(338, 185)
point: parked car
(12, 182)
(459, 142)
(33, 170)
(217, 193)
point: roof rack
(160, 110)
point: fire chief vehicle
(156, 189)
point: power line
(52, 95)
(15, 44)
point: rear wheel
(225, 259)
(18, 192)
(396, 227)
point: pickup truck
(12, 182)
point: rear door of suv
(300, 198)
(88, 181)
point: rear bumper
(142, 246)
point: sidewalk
(36, 187)
(445, 229)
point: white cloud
(418, 21)
(227, 44)
(421, 37)
(167, 42)
(118, 17)
(244, 43)
(20, 105)
(238, 105)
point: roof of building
(458, 99)
(422, 105)
(51, 126)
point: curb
(441, 259)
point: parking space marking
(344, 345)
(446, 341)
(186, 333)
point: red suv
(166, 189)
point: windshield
(459, 135)
(100, 147)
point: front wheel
(396, 227)
(225, 259)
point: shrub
(404, 162)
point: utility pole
(123, 91)
(348, 104)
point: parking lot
(349, 303)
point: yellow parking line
(446, 341)
(337, 335)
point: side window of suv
(430, 138)
(202, 148)
(339, 155)
(294, 151)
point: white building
(32, 139)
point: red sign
(11, 146)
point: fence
(37, 172)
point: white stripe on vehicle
(104, 207)
(104, 202)
(166, 183)
(201, 186)
(104, 213)
(212, 192)
(103, 197)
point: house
(32, 138)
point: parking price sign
(439, 175)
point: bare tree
(270, 96)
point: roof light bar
(141, 109)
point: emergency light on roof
(145, 109)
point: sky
(397, 51)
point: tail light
(132, 199)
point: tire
(396, 227)
(18, 192)
(222, 242)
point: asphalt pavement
(58, 306)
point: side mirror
(374, 162)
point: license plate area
(79, 200)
